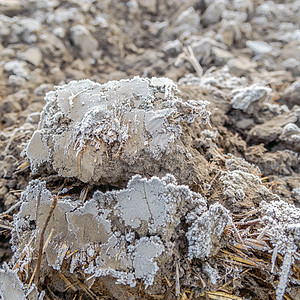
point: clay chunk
(106, 133)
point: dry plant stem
(193, 60)
(11, 139)
(6, 227)
(177, 281)
(53, 205)
(190, 57)
(67, 281)
(22, 167)
(11, 209)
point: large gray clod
(127, 234)
(106, 133)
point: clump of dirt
(126, 235)
(107, 133)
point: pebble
(18, 68)
(240, 66)
(259, 47)
(10, 7)
(33, 56)
(14, 80)
(83, 39)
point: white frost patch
(11, 286)
(205, 230)
(283, 220)
(149, 201)
(146, 250)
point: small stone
(214, 12)
(188, 21)
(245, 124)
(259, 47)
(222, 56)
(83, 39)
(156, 27)
(33, 118)
(10, 199)
(8, 52)
(172, 48)
(149, 5)
(242, 98)
(291, 95)
(3, 191)
(60, 32)
(33, 56)
(240, 66)
(101, 20)
(74, 74)
(43, 89)
(57, 74)
(189, 17)
(14, 80)
(10, 7)
(8, 166)
(31, 25)
(293, 65)
(18, 68)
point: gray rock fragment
(242, 98)
(206, 49)
(291, 95)
(187, 22)
(150, 6)
(214, 12)
(16, 80)
(240, 66)
(10, 7)
(259, 47)
(172, 47)
(282, 127)
(290, 133)
(32, 55)
(84, 40)
(17, 67)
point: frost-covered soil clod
(127, 235)
(110, 132)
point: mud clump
(107, 133)
(125, 235)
